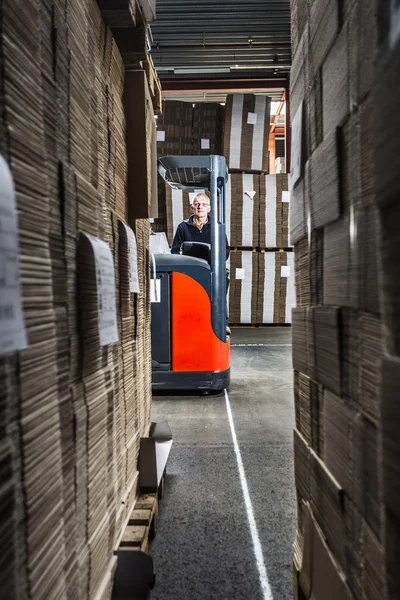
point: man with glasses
(197, 228)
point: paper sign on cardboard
(205, 144)
(12, 328)
(251, 194)
(105, 281)
(285, 196)
(297, 146)
(160, 136)
(285, 271)
(252, 118)
(155, 290)
(133, 265)
(240, 273)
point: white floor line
(258, 553)
(263, 345)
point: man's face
(201, 206)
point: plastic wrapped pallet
(276, 291)
(246, 132)
(243, 287)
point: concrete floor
(203, 549)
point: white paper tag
(240, 273)
(205, 144)
(285, 196)
(251, 194)
(105, 279)
(133, 266)
(394, 22)
(297, 146)
(155, 290)
(160, 136)
(285, 271)
(12, 327)
(252, 118)
(159, 243)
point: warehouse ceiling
(222, 39)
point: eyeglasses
(197, 204)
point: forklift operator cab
(190, 349)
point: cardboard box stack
(261, 287)
(382, 146)
(257, 204)
(246, 132)
(208, 122)
(185, 129)
(257, 207)
(76, 399)
(344, 387)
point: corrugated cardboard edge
(318, 575)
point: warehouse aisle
(205, 548)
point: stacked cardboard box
(257, 204)
(246, 132)
(242, 210)
(207, 128)
(243, 289)
(276, 291)
(257, 210)
(338, 329)
(70, 412)
(189, 129)
(274, 211)
(186, 129)
(382, 143)
(261, 287)
(175, 129)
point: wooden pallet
(143, 521)
(142, 526)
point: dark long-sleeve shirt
(187, 231)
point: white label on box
(297, 146)
(285, 271)
(251, 194)
(205, 144)
(394, 22)
(252, 118)
(160, 136)
(12, 328)
(133, 266)
(285, 196)
(240, 273)
(105, 280)
(155, 290)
